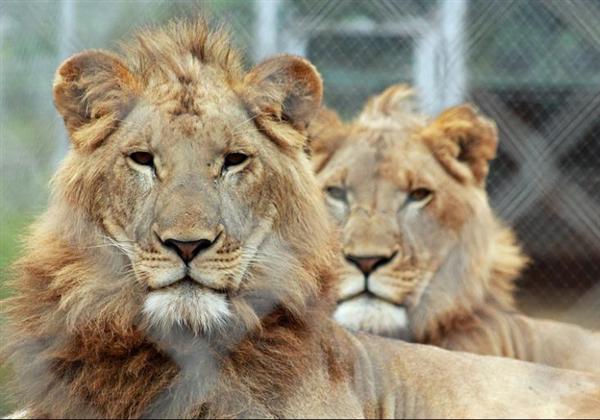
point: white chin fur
(200, 310)
(375, 316)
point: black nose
(187, 250)
(369, 264)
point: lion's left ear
(285, 89)
(463, 141)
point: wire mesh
(531, 66)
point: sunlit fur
(452, 278)
(103, 326)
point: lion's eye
(142, 158)
(234, 159)
(336, 193)
(419, 194)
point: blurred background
(533, 66)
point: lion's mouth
(370, 295)
(189, 283)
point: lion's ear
(284, 88)
(93, 91)
(325, 132)
(463, 141)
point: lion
(185, 265)
(424, 257)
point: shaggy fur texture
(100, 325)
(452, 265)
(111, 319)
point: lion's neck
(98, 361)
(474, 283)
(241, 378)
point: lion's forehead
(383, 166)
(378, 176)
(202, 88)
(204, 104)
(154, 125)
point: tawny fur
(79, 338)
(467, 305)
(78, 345)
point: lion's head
(187, 186)
(419, 238)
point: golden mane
(168, 49)
(171, 52)
(487, 296)
(394, 109)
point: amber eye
(420, 194)
(142, 158)
(234, 159)
(336, 193)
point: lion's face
(188, 185)
(189, 214)
(400, 215)
(403, 217)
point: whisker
(245, 121)
(124, 247)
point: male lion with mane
(183, 268)
(424, 256)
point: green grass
(11, 226)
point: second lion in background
(424, 257)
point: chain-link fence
(530, 65)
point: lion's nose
(369, 264)
(187, 250)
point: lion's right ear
(93, 91)
(325, 133)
